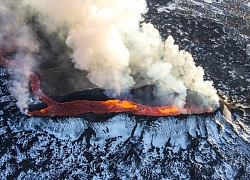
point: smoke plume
(17, 37)
(114, 46)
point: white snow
(69, 128)
(168, 7)
(120, 125)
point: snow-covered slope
(210, 146)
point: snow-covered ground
(211, 146)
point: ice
(248, 48)
(214, 146)
(130, 145)
(165, 129)
(68, 128)
(120, 125)
(169, 7)
(213, 1)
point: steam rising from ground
(17, 37)
(110, 41)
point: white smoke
(119, 51)
(17, 37)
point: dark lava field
(124, 146)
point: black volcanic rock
(211, 146)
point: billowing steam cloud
(17, 37)
(110, 41)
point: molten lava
(79, 107)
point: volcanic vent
(80, 107)
(133, 68)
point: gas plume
(110, 41)
(17, 38)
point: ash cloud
(117, 49)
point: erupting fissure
(80, 107)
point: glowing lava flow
(79, 107)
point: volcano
(53, 94)
(142, 101)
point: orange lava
(79, 107)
